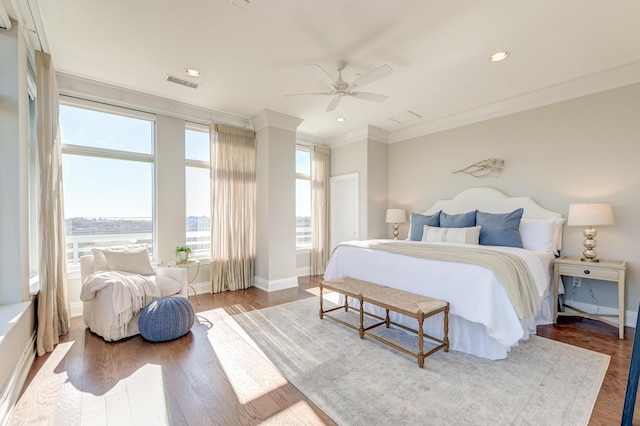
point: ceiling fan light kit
(339, 88)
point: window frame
(113, 154)
(303, 176)
(196, 127)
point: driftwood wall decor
(491, 167)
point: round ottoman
(166, 319)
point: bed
(484, 319)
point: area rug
(363, 382)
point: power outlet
(577, 281)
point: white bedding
(483, 321)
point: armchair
(99, 313)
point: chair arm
(86, 266)
(178, 274)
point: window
(108, 173)
(303, 197)
(198, 189)
(34, 193)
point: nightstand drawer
(588, 272)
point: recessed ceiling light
(499, 56)
(340, 119)
(193, 72)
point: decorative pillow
(469, 235)
(502, 229)
(557, 234)
(135, 261)
(537, 234)
(462, 220)
(418, 221)
(99, 261)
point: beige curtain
(53, 311)
(320, 171)
(233, 208)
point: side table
(605, 270)
(188, 265)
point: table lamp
(396, 216)
(590, 214)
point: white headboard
(490, 200)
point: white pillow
(557, 234)
(469, 235)
(135, 261)
(538, 234)
(99, 261)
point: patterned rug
(363, 382)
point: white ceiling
(250, 58)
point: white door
(344, 196)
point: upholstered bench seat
(166, 319)
(391, 299)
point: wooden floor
(211, 377)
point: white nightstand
(605, 270)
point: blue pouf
(166, 319)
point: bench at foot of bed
(391, 299)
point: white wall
(581, 150)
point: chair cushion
(166, 319)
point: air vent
(182, 81)
(405, 117)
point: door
(344, 220)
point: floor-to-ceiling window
(108, 172)
(198, 189)
(303, 197)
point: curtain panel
(320, 172)
(233, 208)
(53, 309)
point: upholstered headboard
(490, 200)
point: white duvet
(483, 321)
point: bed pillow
(462, 220)
(418, 221)
(500, 229)
(470, 235)
(537, 234)
(557, 234)
(135, 261)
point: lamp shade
(396, 216)
(590, 214)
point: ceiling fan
(339, 88)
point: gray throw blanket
(510, 269)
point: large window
(108, 172)
(303, 197)
(34, 193)
(198, 189)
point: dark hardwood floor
(211, 376)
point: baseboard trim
(16, 381)
(203, 287)
(275, 285)
(303, 272)
(75, 309)
(630, 317)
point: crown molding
(363, 133)
(607, 80)
(306, 138)
(268, 118)
(91, 90)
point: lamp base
(396, 232)
(584, 259)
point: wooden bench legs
(360, 291)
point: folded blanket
(131, 292)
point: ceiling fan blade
(372, 76)
(321, 74)
(369, 96)
(311, 93)
(333, 104)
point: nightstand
(605, 270)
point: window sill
(10, 315)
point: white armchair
(99, 314)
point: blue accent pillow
(418, 221)
(500, 229)
(462, 220)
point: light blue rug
(362, 382)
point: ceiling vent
(182, 81)
(405, 117)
